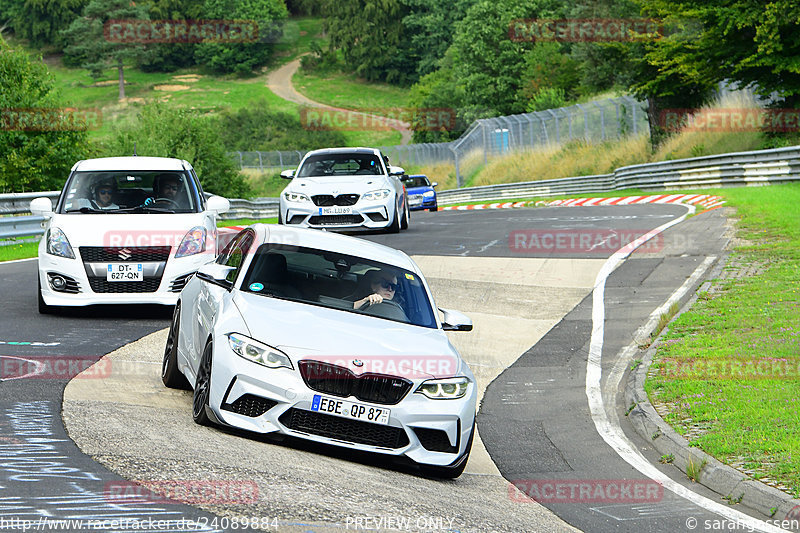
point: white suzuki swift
(125, 230)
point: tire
(454, 470)
(170, 374)
(406, 217)
(433, 209)
(280, 216)
(44, 309)
(202, 388)
(394, 227)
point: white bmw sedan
(326, 338)
(125, 230)
(347, 189)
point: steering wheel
(386, 309)
(173, 203)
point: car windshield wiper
(85, 210)
(147, 209)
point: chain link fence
(592, 122)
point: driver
(165, 186)
(383, 286)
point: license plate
(415, 200)
(337, 210)
(345, 409)
(124, 272)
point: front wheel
(395, 225)
(170, 375)
(202, 388)
(406, 217)
(44, 309)
(280, 217)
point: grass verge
(728, 369)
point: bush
(256, 127)
(164, 131)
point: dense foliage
(38, 142)
(164, 131)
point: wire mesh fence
(592, 122)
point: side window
(237, 254)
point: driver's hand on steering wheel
(372, 299)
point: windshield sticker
(409, 276)
(255, 287)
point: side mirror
(218, 205)
(434, 184)
(42, 207)
(396, 171)
(455, 321)
(215, 273)
(287, 174)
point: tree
(98, 46)
(242, 57)
(38, 142)
(40, 21)
(371, 37)
(164, 131)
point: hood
(338, 185)
(418, 190)
(362, 343)
(120, 230)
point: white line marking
(611, 432)
(18, 260)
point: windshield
(339, 281)
(416, 181)
(133, 191)
(340, 165)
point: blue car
(420, 192)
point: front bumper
(418, 202)
(263, 400)
(161, 286)
(362, 215)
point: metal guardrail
(781, 165)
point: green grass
(344, 90)
(246, 221)
(748, 419)
(18, 250)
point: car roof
(417, 176)
(131, 163)
(334, 242)
(357, 150)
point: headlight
(193, 243)
(296, 197)
(377, 195)
(58, 244)
(429, 194)
(257, 352)
(444, 389)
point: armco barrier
(780, 165)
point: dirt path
(280, 82)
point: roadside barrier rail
(763, 167)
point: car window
(125, 191)
(335, 280)
(416, 181)
(340, 165)
(233, 255)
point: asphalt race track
(533, 344)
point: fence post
(483, 132)
(634, 105)
(260, 164)
(602, 121)
(458, 171)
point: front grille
(296, 219)
(340, 381)
(129, 254)
(326, 200)
(335, 220)
(250, 405)
(102, 285)
(435, 440)
(71, 286)
(334, 427)
(180, 282)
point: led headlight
(296, 197)
(257, 352)
(444, 389)
(377, 195)
(193, 243)
(429, 194)
(58, 244)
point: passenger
(165, 187)
(381, 285)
